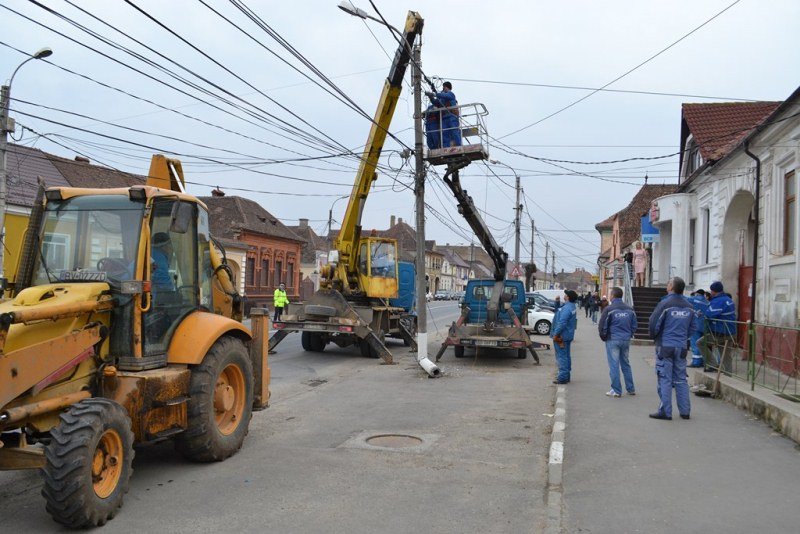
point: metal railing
(627, 274)
(456, 126)
(763, 355)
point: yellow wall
(15, 233)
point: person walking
(279, 301)
(563, 332)
(671, 326)
(721, 315)
(700, 305)
(617, 325)
(594, 306)
(587, 298)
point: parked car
(429, 296)
(537, 299)
(541, 320)
(441, 295)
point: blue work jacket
(672, 322)
(700, 305)
(721, 308)
(617, 322)
(565, 322)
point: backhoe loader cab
(122, 330)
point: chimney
(217, 192)
(82, 159)
(303, 223)
(400, 220)
(391, 221)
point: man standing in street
(617, 325)
(564, 324)
(279, 300)
(671, 325)
(700, 305)
(721, 315)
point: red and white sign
(516, 271)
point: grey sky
(747, 52)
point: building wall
(259, 285)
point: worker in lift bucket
(447, 106)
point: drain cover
(394, 441)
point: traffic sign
(516, 271)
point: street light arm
(41, 53)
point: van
(551, 294)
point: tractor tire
(458, 350)
(316, 309)
(88, 465)
(312, 342)
(367, 351)
(220, 403)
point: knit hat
(716, 287)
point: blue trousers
(617, 354)
(564, 361)
(671, 373)
(693, 342)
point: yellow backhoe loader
(123, 328)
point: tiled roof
(719, 127)
(84, 174)
(314, 243)
(231, 214)
(630, 219)
(606, 224)
(453, 258)
(24, 166)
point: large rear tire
(88, 466)
(458, 350)
(312, 342)
(220, 403)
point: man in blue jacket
(700, 305)
(616, 328)
(451, 131)
(721, 315)
(671, 325)
(563, 332)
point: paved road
(722, 471)
(481, 466)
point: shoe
(271, 352)
(631, 393)
(710, 370)
(695, 365)
(612, 393)
(659, 415)
(685, 416)
(560, 381)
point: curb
(555, 465)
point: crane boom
(347, 242)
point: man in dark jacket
(671, 325)
(616, 328)
(721, 315)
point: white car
(540, 320)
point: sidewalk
(721, 471)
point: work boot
(685, 416)
(659, 415)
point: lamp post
(7, 126)
(517, 209)
(350, 9)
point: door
(745, 299)
(174, 274)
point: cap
(700, 292)
(571, 295)
(716, 287)
(160, 239)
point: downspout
(755, 238)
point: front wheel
(220, 403)
(88, 465)
(542, 327)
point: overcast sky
(498, 53)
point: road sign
(516, 271)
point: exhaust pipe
(422, 356)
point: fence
(761, 354)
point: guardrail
(763, 355)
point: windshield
(89, 238)
(383, 262)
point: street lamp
(517, 209)
(351, 9)
(7, 126)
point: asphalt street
(479, 462)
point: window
(278, 273)
(264, 273)
(789, 212)
(56, 246)
(250, 272)
(706, 235)
(290, 274)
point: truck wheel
(88, 463)
(522, 353)
(366, 350)
(220, 403)
(458, 350)
(312, 342)
(317, 309)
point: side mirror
(181, 217)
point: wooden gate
(745, 300)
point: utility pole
(546, 256)
(518, 210)
(419, 193)
(533, 233)
(5, 127)
(554, 268)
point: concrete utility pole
(546, 257)
(554, 268)
(419, 193)
(518, 210)
(6, 127)
(533, 262)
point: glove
(430, 94)
(558, 339)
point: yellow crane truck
(123, 328)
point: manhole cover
(394, 441)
